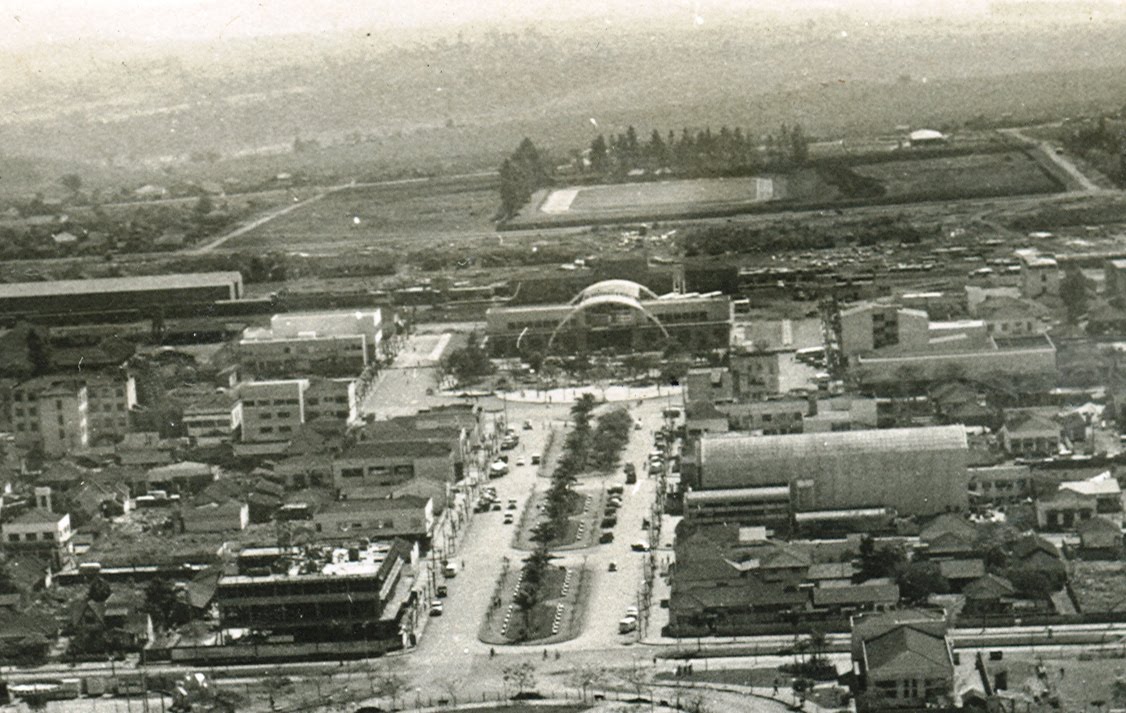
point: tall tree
(1073, 292)
(598, 153)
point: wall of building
(923, 481)
(973, 365)
(272, 410)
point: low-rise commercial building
(613, 314)
(408, 517)
(886, 343)
(376, 469)
(330, 595)
(335, 343)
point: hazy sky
(24, 22)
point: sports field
(662, 195)
(887, 178)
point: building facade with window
(52, 414)
(617, 315)
(272, 410)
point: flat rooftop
(119, 284)
(337, 564)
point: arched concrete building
(618, 315)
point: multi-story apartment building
(272, 410)
(331, 400)
(212, 417)
(109, 400)
(51, 414)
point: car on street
(640, 546)
(436, 608)
(536, 457)
(616, 489)
(606, 537)
(442, 591)
(627, 625)
(508, 519)
(527, 425)
(644, 523)
(511, 504)
(496, 507)
(631, 478)
(520, 460)
(613, 567)
(608, 522)
(632, 611)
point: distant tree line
(698, 153)
(521, 175)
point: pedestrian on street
(545, 654)
(492, 652)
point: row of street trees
(558, 503)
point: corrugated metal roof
(799, 445)
(119, 284)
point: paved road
(402, 389)
(1065, 163)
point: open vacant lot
(910, 179)
(986, 174)
(380, 215)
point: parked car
(613, 567)
(508, 519)
(436, 608)
(520, 460)
(627, 625)
(640, 546)
(496, 507)
(511, 504)
(616, 489)
(606, 537)
(608, 522)
(644, 523)
(536, 458)
(631, 478)
(527, 425)
(442, 590)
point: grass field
(628, 196)
(1009, 173)
(380, 216)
